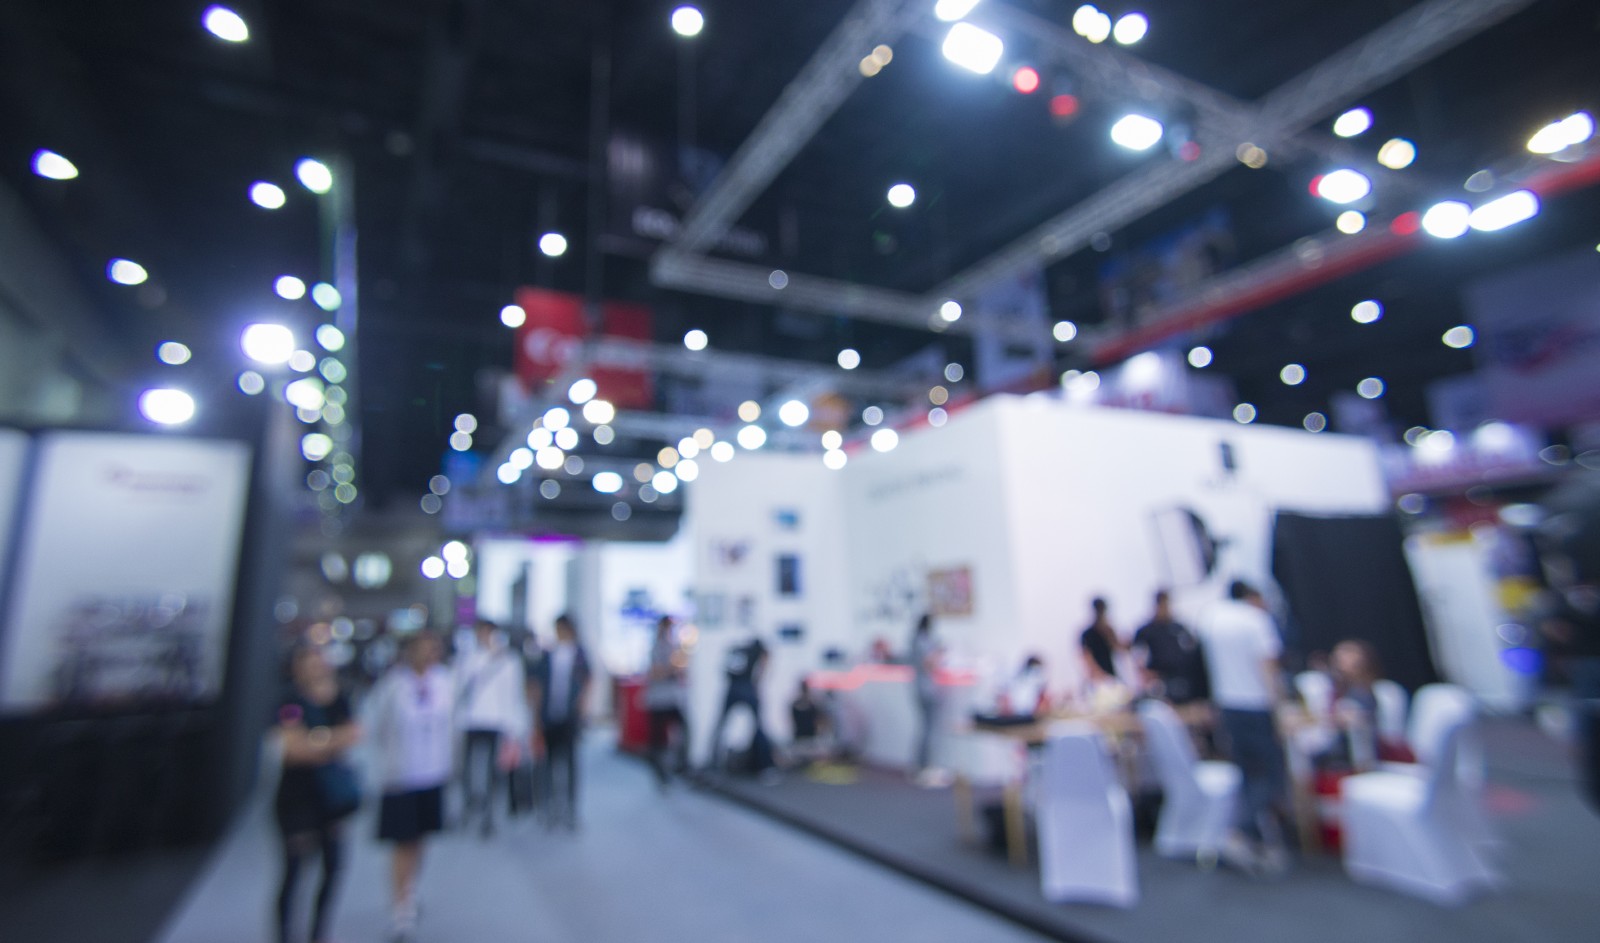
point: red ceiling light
(1025, 80)
(1189, 151)
(1406, 224)
(1064, 105)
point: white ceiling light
(1459, 337)
(1370, 388)
(665, 482)
(513, 316)
(166, 407)
(330, 337)
(1064, 331)
(687, 470)
(832, 440)
(793, 413)
(271, 344)
(314, 175)
(268, 196)
(460, 441)
(1504, 211)
(751, 437)
(550, 458)
(1099, 29)
(1200, 357)
(582, 391)
(1447, 220)
(1366, 312)
(1350, 222)
(849, 358)
(1315, 422)
(326, 297)
(53, 166)
(872, 415)
(974, 49)
(316, 446)
(834, 459)
(302, 361)
(722, 451)
(952, 10)
(1292, 375)
(520, 458)
(607, 482)
(688, 21)
(553, 244)
(225, 24)
(1397, 153)
(604, 434)
(305, 393)
(950, 311)
(1244, 413)
(884, 440)
(599, 412)
(251, 383)
(1343, 186)
(1353, 122)
(1130, 29)
(556, 417)
(540, 438)
(289, 288)
(1084, 18)
(566, 438)
(1137, 132)
(173, 353)
(901, 195)
(696, 339)
(1557, 136)
(126, 272)
(432, 568)
(954, 372)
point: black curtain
(1347, 578)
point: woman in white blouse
(413, 733)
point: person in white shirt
(410, 718)
(492, 714)
(1242, 648)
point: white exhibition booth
(1004, 523)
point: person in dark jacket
(562, 688)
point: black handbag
(339, 789)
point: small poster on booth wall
(788, 574)
(950, 591)
(125, 576)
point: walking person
(744, 665)
(561, 685)
(492, 712)
(664, 696)
(316, 789)
(926, 657)
(413, 735)
(1242, 649)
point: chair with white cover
(1316, 690)
(1410, 833)
(1392, 702)
(1084, 824)
(991, 762)
(1436, 709)
(1200, 796)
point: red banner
(553, 334)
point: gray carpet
(1552, 846)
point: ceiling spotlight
(598, 412)
(326, 296)
(950, 311)
(794, 413)
(1342, 186)
(302, 361)
(1370, 388)
(330, 337)
(751, 437)
(251, 383)
(53, 166)
(665, 482)
(1137, 132)
(688, 21)
(582, 391)
(550, 458)
(166, 407)
(1025, 80)
(849, 358)
(1244, 414)
(1504, 211)
(1200, 358)
(1083, 19)
(1366, 312)
(976, 50)
(1350, 222)
(1315, 422)
(513, 316)
(126, 272)
(722, 451)
(268, 196)
(466, 422)
(1064, 331)
(225, 24)
(834, 459)
(556, 418)
(174, 353)
(1353, 122)
(1292, 375)
(902, 195)
(607, 482)
(508, 474)
(749, 410)
(778, 279)
(289, 288)
(696, 339)
(1130, 29)
(872, 415)
(952, 10)
(553, 244)
(1397, 153)
(314, 175)
(1557, 136)
(1251, 155)
(270, 344)
(305, 393)
(832, 439)
(954, 372)
(884, 440)
(1459, 337)
(1447, 220)
(687, 470)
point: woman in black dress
(315, 791)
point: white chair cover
(1411, 833)
(988, 759)
(1199, 796)
(1391, 709)
(1085, 825)
(1316, 690)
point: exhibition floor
(1548, 858)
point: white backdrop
(129, 557)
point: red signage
(552, 336)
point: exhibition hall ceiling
(464, 131)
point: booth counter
(876, 708)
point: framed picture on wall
(950, 591)
(792, 633)
(788, 574)
(711, 609)
(786, 518)
(746, 615)
(728, 554)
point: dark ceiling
(468, 127)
